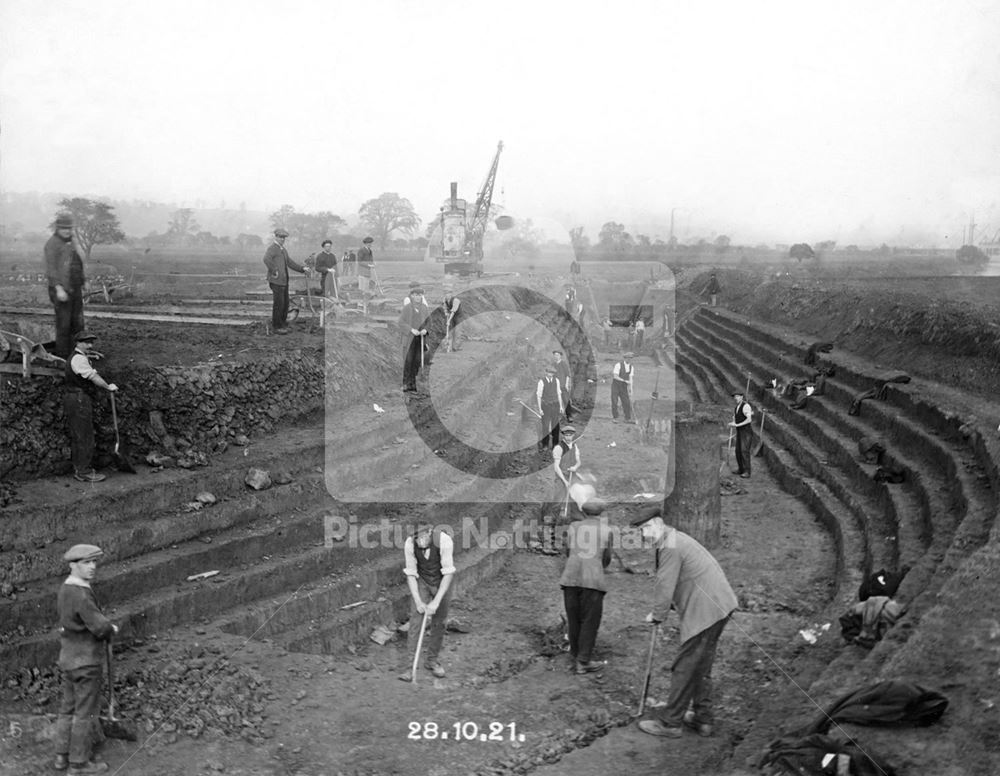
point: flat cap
(647, 513)
(417, 290)
(738, 392)
(630, 354)
(84, 336)
(281, 233)
(368, 240)
(80, 552)
(568, 429)
(64, 221)
(551, 369)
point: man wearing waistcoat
(621, 388)
(742, 420)
(550, 406)
(690, 579)
(565, 465)
(565, 379)
(80, 377)
(278, 262)
(83, 635)
(429, 569)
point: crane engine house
(457, 240)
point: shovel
(111, 725)
(420, 643)
(760, 442)
(725, 467)
(533, 412)
(649, 670)
(122, 463)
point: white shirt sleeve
(410, 567)
(80, 364)
(447, 548)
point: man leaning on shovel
(689, 578)
(429, 569)
(83, 633)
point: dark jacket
(60, 258)
(278, 263)
(83, 628)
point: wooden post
(694, 505)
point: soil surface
(506, 674)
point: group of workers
(278, 263)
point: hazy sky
(768, 121)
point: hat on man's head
(647, 513)
(414, 284)
(81, 552)
(417, 290)
(281, 233)
(568, 429)
(368, 240)
(738, 392)
(593, 507)
(84, 336)
(64, 221)
(630, 354)
(550, 369)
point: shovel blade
(119, 728)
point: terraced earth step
(963, 507)
(819, 446)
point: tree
(970, 254)
(801, 251)
(182, 226)
(94, 223)
(523, 239)
(826, 245)
(388, 213)
(578, 240)
(612, 236)
(722, 243)
(245, 241)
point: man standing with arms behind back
(278, 263)
(64, 269)
(690, 579)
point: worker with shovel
(690, 579)
(79, 408)
(429, 569)
(621, 388)
(565, 465)
(742, 425)
(413, 329)
(548, 395)
(83, 635)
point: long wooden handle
(649, 669)
(420, 643)
(111, 684)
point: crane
(460, 244)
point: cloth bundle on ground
(870, 449)
(882, 582)
(879, 391)
(890, 470)
(867, 622)
(819, 755)
(817, 347)
(892, 702)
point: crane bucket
(504, 222)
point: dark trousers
(638, 339)
(80, 418)
(550, 425)
(434, 635)
(584, 608)
(619, 393)
(279, 305)
(744, 438)
(691, 677)
(78, 710)
(69, 319)
(411, 362)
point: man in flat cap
(688, 577)
(78, 386)
(548, 395)
(64, 269)
(413, 330)
(587, 545)
(83, 635)
(742, 425)
(621, 388)
(278, 263)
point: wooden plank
(17, 369)
(123, 316)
